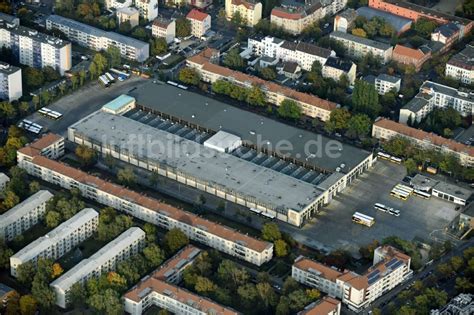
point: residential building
(434, 95)
(325, 306)
(50, 146)
(390, 268)
(200, 4)
(334, 68)
(128, 14)
(385, 83)
(24, 215)
(9, 19)
(35, 49)
(200, 22)
(164, 28)
(461, 66)
(345, 20)
(59, 241)
(148, 9)
(414, 12)
(294, 16)
(126, 245)
(411, 56)
(331, 7)
(171, 271)
(249, 10)
(463, 304)
(291, 70)
(311, 105)
(358, 47)
(147, 209)
(118, 4)
(167, 296)
(10, 82)
(385, 129)
(446, 34)
(97, 39)
(4, 180)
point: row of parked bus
(262, 213)
(388, 157)
(401, 191)
(30, 126)
(107, 78)
(50, 113)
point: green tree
(50, 74)
(230, 275)
(113, 56)
(77, 295)
(268, 73)
(411, 166)
(158, 46)
(125, 27)
(456, 263)
(26, 272)
(5, 254)
(464, 285)
(189, 76)
(33, 78)
(151, 231)
(126, 176)
(140, 33)
(175, 239)
(281, 248)
(359, 125)
(10, 200)
(290, 285)
(204, 286)
(52, 219)
(283, 307)
(233, 60)
(359, 32)
(271, 232)
(424, 27)
(107, 302)
(100, 62)
(87, 156)
(289, 109)
(248, 295)
(43, 293)
(256, 96)
(28, 305)
(154, 255)
(266, 294)
(298, 300)
(183, 27)
(365, 99)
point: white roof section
(24, 207)
(90, 264)
(55, 236)
(222, 141)
(4, 178)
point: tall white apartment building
(294, 16)
(148, 209)
(390, 268)
(358, 47)
(385, 83)
(4, 180)
(127, 244)
(434, 95)
(36, 49)
(58, 242)
(164, 28)
(331, 7)
(118, 4)
(148, 9)
(249, 10)
(461, 66)
(10, 82)
(97, 39)
(200, 22)
(24, 215)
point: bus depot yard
(419, 218)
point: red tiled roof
(247, 4)
(329, 273)
(278, 12)
(149, 203)
(184, 296)
(323, 307)
(171, 263)
(197, 15)
(408, 52)
(423, 135)
(270, 86)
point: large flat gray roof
(267, 186)
(215, 115)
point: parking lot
(333, 228)
(82, 103)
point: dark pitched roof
(341, 64)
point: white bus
(400, 194)
(407, 189)
(172, 83)
(394, 212)
(30, 126)
(363, 219)
(394, 159)
(50, 113)
(109, 77)
(270, 216)
(384, 156)
(421, 194)
(120, 73)
(381, 207)
(255, 210)
(103, 80)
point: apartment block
(200, 4)
(118, 4)
(97, 39)
(293, 16)
(345, 20)
(461, 66)
(200, 22)
(304, 54)
(358, 47)
(123, 247)
(59, 241)
(11, 88)
(325, 306)
(331, 7)
(446, 34)
(10, 19)
(172, 298)
(249, 10)
(148, 9)
(164, 28)
(147, 209)
(128, 14)
(410, 56)
(334, 68)
(311, 105)
(35, 49)
(50, 146)
(433, 95)
(171, 271)
(24, 215)
(385, 129)
(385, 83)
(4, 180)
(390, 268)
(462, 304)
